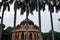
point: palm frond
(58, 0)
(11, 1)
(4, 7)
(46, 0)
(8, 6)
(32, 7)
(23, 10)
(56, 7)
(27, 1)
(22, 4)
(4, 0)
(59, 6)
(15, 5)
(43, 6)
(40, 6)
(36, 6)
(50, 7)
(0, 5)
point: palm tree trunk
(39, 16)
(27, 23)
(1, 25)
(52, 26)
(14, 26)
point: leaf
(8, 6)
(40, 6)
(59, 6)
(45, 0)
(58, 0)
(56, 7)
(0, 5)
(31, 12)
(4, 7)
(51, 8)
(22, 10)
(43, 6)
(18, 5)
(32, 7)
(11, 1)
(15, 5)
(4, 0)
(36, 6)
(27, 1)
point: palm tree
(41, 5)
(17, 5)
(30, 7)
(27, 11)
(27, 6)
(51, 9)
(23, 9)
(38, 6)
(15, 14)
(5, 4)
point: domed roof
(29, 22)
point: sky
(45, 19)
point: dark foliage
(5, 4)
(11, 1)
(4, 0)
(7, 34)
(51, 8)
(3, 26)
(49, 35)
(32, 5)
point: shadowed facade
(33, 31)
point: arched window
(25, 36)
(30, 35)
(35, 36)
(22, 36)
(16, 36)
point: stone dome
(31, 26)
(29, 22)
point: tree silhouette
(51, 9)
(5, 4)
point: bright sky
(45, 17)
